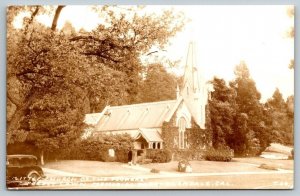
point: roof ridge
(142, 104)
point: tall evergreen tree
(222, 112)
(282, 118)
(249, 122)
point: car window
(28, 161)
(14, 162)
(19, 161)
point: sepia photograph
(108, 97)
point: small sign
(111, 152)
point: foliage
(159, 155)
(159, 85)
(221, 154)
(197, 139)
(169, 135)
(97, 148)
(119, 45)
(54, 77)
(182, 165)
(187, 154)
(249, 120)
(282, 118)
(222, 110)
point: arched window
(181, 131)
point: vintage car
(22, 170)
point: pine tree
(249, 122)
(222, 113)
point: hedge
(159, 155)
(221, 154)
(97, 149)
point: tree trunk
(14, 123)
(56, 16)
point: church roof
(150, 134)
(144, 115)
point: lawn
(207, 167)
(281, 164)
(105, 169)
(94, 168)
(236, 165)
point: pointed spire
(190, 65)
(194, 91)
(192, 73)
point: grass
(94, 168)
(105, 169)
(280, 164)
(207, 167)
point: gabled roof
(150, 135)
(145, 115)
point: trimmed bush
(221, 154)
(159, 155)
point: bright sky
(225, 35)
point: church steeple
(195, 90)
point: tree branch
(34, 13)
(56, 16)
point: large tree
(222, 110)
(158, 85)
(120, 42)
(250, 131)
(282, 118)
(55, 77)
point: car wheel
(33, 177)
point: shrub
(96, 148)
(159, 155)
(153, 170)
(182, 165)
(183, 155)
(122, 155)
(269, 167)
(221, 154)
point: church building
(144, 121)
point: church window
(181, 136)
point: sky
(225, 36)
